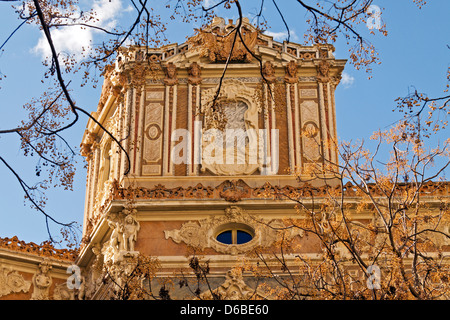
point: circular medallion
(153, 131)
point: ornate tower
(194, 162)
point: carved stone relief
(234, 288)
(92, 281)
(239, 108)
(308, 93)
(202, 234)
(12, 282)
(310, 130)
(155, 95)
(194, 74)
(291, 72)
(171, 74)
(153, 139)
(123, 237)
(42, 282)
(269, 72)
(323, 70)
(62, 292)
(218, 44)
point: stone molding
(238, 190)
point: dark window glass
(243, 237)
(234, 236)
(225, 237)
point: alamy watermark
(374, 20)
(74, 281)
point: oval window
(235, 234)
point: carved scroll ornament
(202, 234)
(12, 282)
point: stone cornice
(43, 250)
(237, 190)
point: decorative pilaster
(132, 128)
(115, 146)
(126, 131)
(332, 142)
(323, 79)
(171, 82)
(94, 186)
(197, 134)
(166, 131)
(194, 81)
(173, 126)
(298, 157)
(139, 136)
(273, 126)
(290, 129)
(291, 80)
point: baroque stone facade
(202, 150)
(206, 166)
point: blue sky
(414, 53)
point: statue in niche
(116, 240)
(130, 229)
(291, 72)
(93, 278)
(171, 74)
(41, 282)
(194, 74)
(112, 248)
(269, 72)
(123, 237)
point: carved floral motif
(237, 190)
(12, 282)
